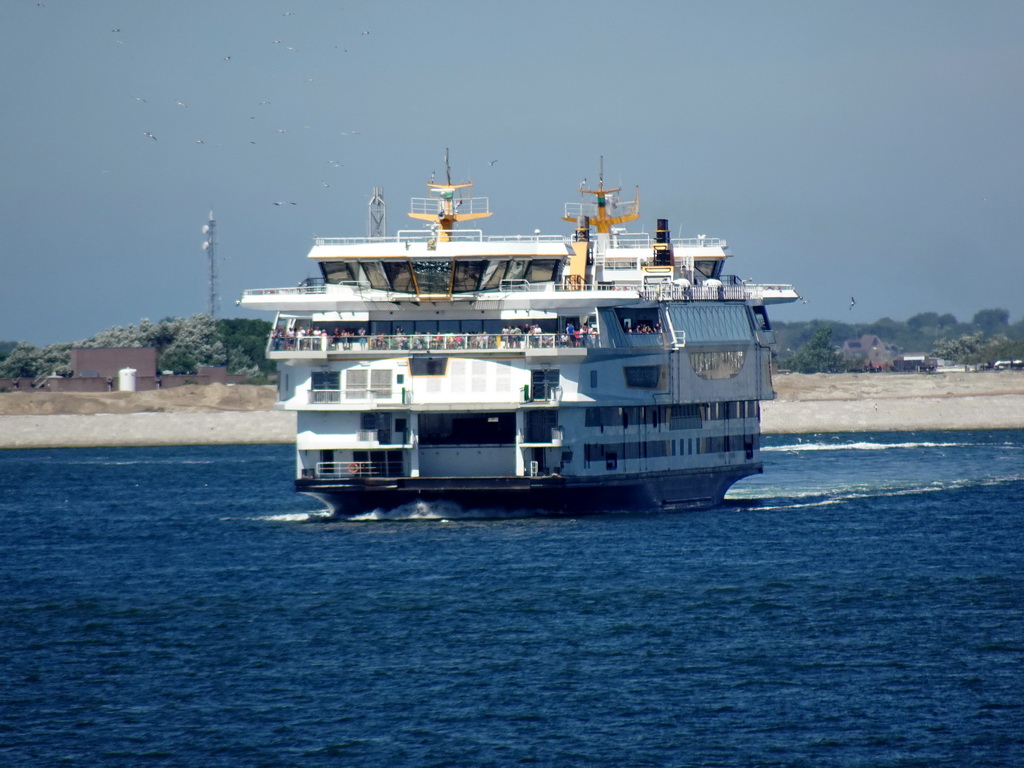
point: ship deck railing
(392, 396)
(432, 342)
(456, 236)
(335, 470)
(661, 291)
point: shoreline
(220, 415)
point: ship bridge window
(467, 276)
(433, 277)
(376, 275)
(542, 270)
(709, 267)
(400, 276)
(338, 271)
(492, 276)
(516, 269)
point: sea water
(861, 603)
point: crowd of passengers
(512, 337)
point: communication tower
(378, 225)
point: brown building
(107, 362)
(872, 350)
(98, 369)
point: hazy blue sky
(869, 149)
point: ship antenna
(208, 245)
(447, 167)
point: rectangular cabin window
(428, 366)
(642, 376)
(326, 380)
(543, 382)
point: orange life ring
(353, 468)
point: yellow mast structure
(602, 221)
(448, 213)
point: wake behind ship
(598, 370)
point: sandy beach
(227, 415)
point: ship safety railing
(430, 342)
(545, 394)
(436, 205)
(337, 470)
(667, 291)
(700, 242)
(300, 290)
(363, 395)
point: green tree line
(182, 344)
(813, 346)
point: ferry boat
(597, 370)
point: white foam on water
(860, 446)
(820, 497)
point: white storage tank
(126, 382)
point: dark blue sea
(859, 604)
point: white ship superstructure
(597, 370)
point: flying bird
(282, 203)
(492, 162)
(852, 302)
(150, 135)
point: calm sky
(870, 149)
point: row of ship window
(683, 416)
(611, 453)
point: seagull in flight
(150, 135)
(282, 203)
(492, 162)
(852, 302)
